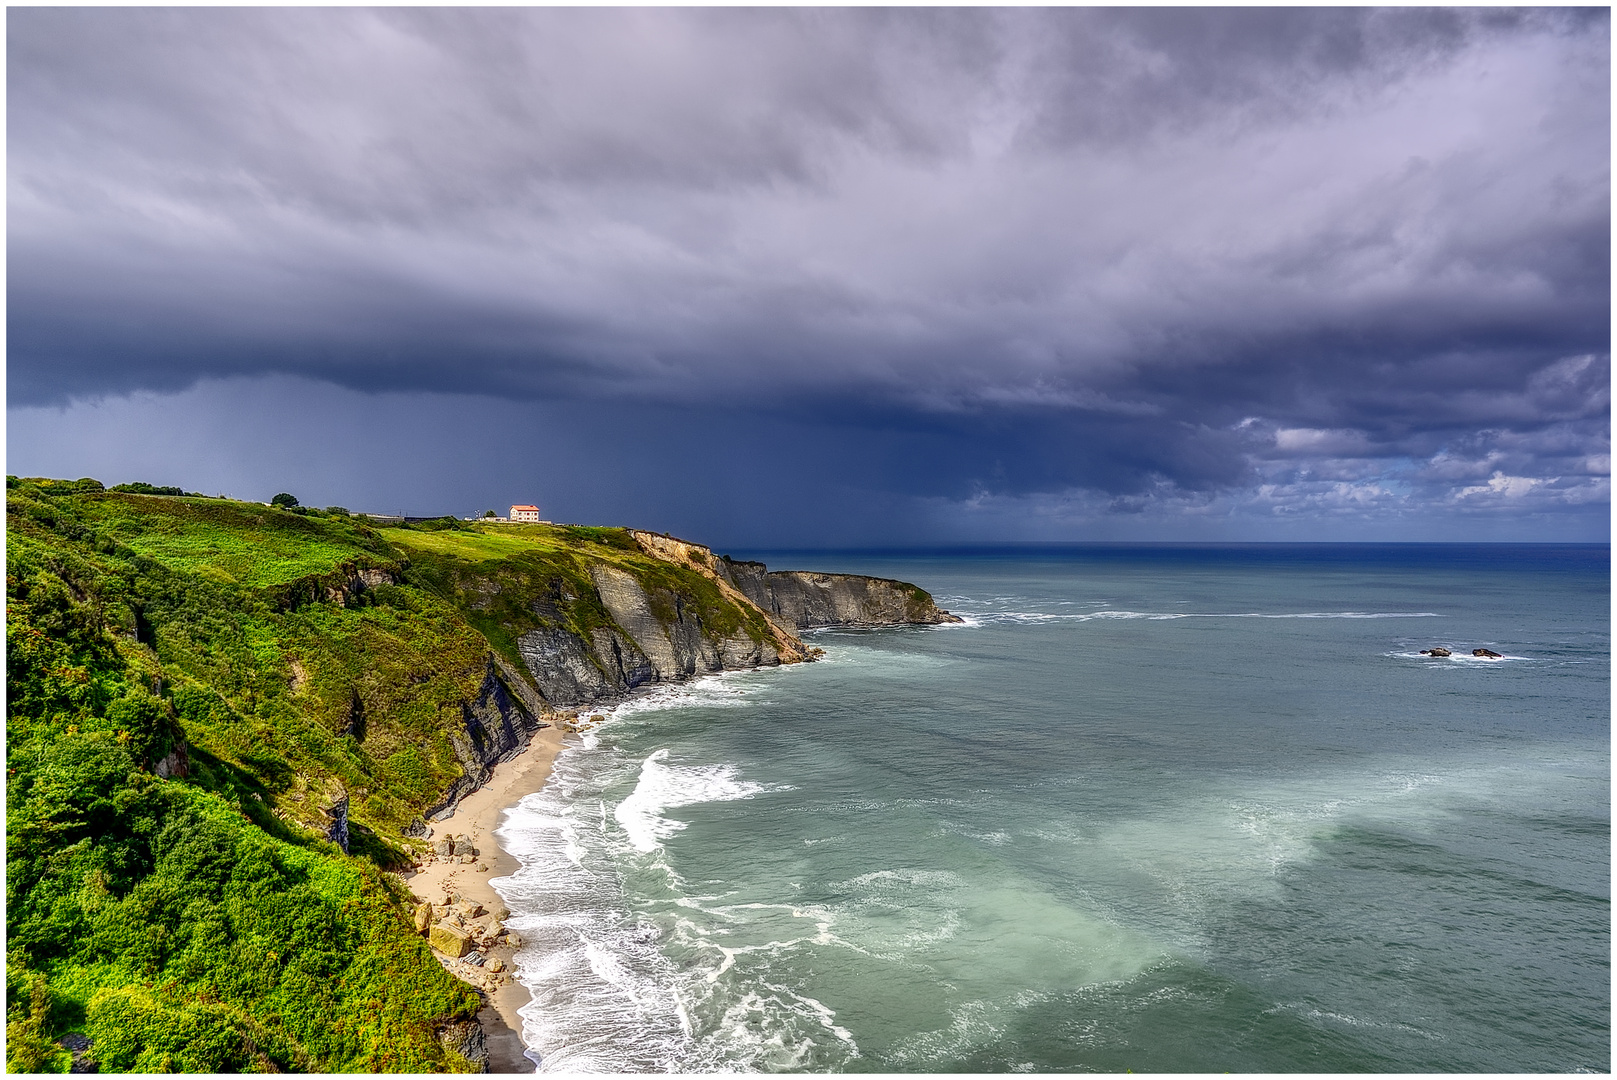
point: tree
(489, 513)
(284, 501)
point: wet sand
(477, 816)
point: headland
(273, 717)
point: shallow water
(1152, 808)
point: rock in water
(1486, 654)
(1439, 651)
(449, 941)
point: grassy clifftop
(193, 684)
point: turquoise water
(1157, 809)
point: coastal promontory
(230, 726)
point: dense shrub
(181, 924)
(139, 488)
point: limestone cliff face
(642, 625)
(496, 727)
(654, 636)
(804, 600)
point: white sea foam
(664, 787)
(607, 996)
(981, 618)
(1458, 657)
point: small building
(524, 513)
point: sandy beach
(477, 816)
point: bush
(139, 488)
(136, 1031)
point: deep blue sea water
(1151, 808)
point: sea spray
(622, 977)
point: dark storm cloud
(1013, 252)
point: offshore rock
(1487, 654)
(1439, 651)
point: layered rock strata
(495, 727)
(662, 638)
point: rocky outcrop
(677, 646)
(496, 727)
(346, 586)
(79, 1046)
(336, 811)
(652, 638)
(1438, 651)
(1487, 654)
(785, 645)
(176, 763)
(658, 634)
(466, 1038)
(806, 600)
(563, 668)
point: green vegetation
(509, 579)
(138, 488)
(189, 682)
(204, 923)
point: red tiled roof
(524, 508)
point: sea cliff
(230, 725)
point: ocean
(1150, 808)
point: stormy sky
(813, 277)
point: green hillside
(192, 683)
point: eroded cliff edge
(803, 599)
(592, 624)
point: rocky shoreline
(514, 729)
(456, 904)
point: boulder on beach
(444, 847)
(423, 918)
(449, 941)
(1488, 654)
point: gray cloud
(1020, 253)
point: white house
(524, 513)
